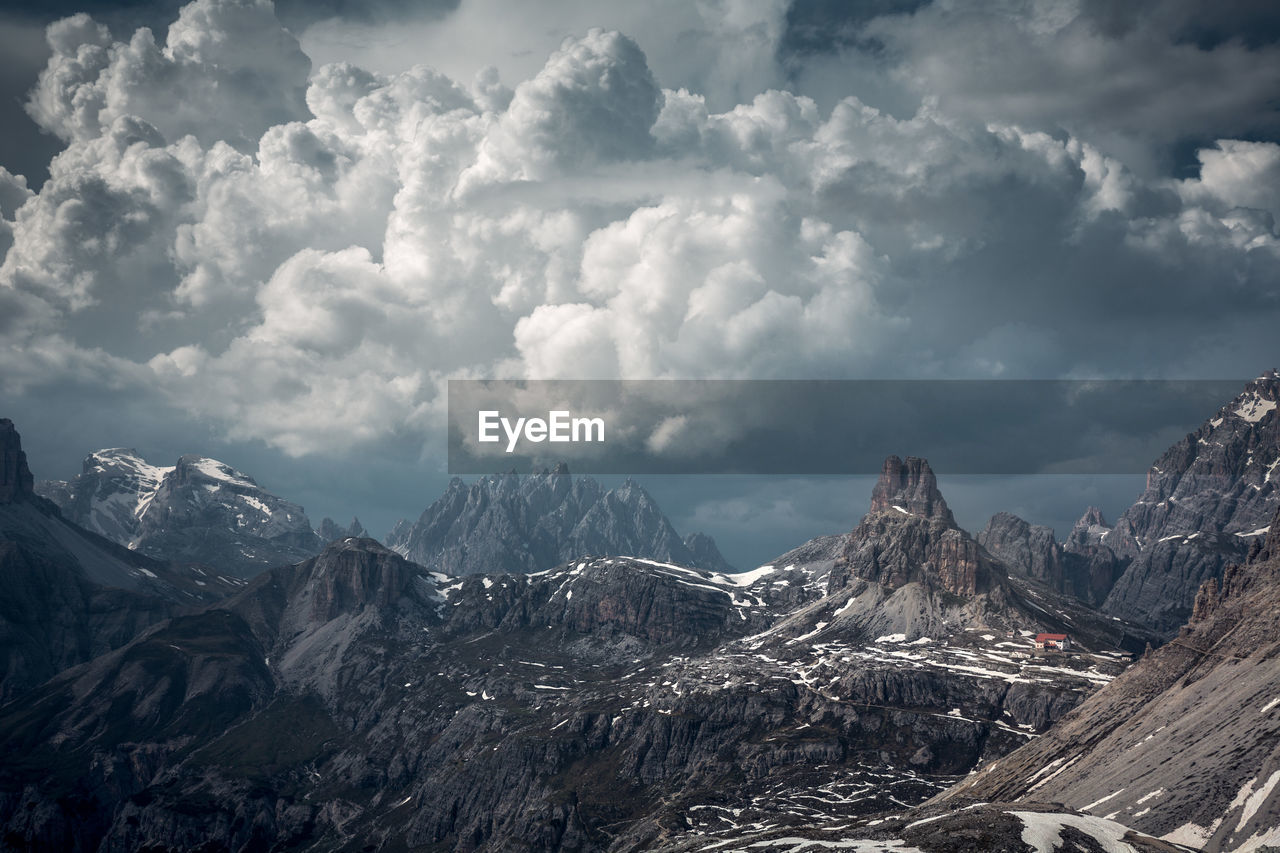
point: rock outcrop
(1029, 548)
(910, 535)
(1207, 498)
(16, 481)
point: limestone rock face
(910, 535)
(911, 485)
(1207, 499)
(1029, 548)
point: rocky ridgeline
(199, 510)
(526, 524)
(357, 697)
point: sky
(271, 234)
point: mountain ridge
(508, 522)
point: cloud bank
(304, 255)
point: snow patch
(1192, 834)
(1255, 409)
(1255, 800)
(1043, 832)
(1110, 796)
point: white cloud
(227, 71)
(310, 276)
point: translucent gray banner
(823, 426)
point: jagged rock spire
(910, 485)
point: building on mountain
(1052, 642)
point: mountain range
(895, 687)
(511, 523)
(203, 511)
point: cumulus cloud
(306, 259)
(227, 71)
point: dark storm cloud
(295, 259)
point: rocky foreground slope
(1184, 745)
(357, 700)
(69, 594)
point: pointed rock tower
(911, 536)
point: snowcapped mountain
(508, 523)
(199, 510)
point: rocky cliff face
(199, 510)
(15, 477)
(1029, 548)
(508, 523)
(910, 535)
(1207, 498)
(1182, 746)
(70, 594)
(1091, 567)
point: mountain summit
(909, 486)
(199, 510)
(509, 523)
(910, 535)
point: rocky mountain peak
(910, 536)
(16, 482)
(1028, 548)
(909, 486)
(353, 573)
(1207, 499)
(329, 530)
(1092, 518)
(509, 523)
